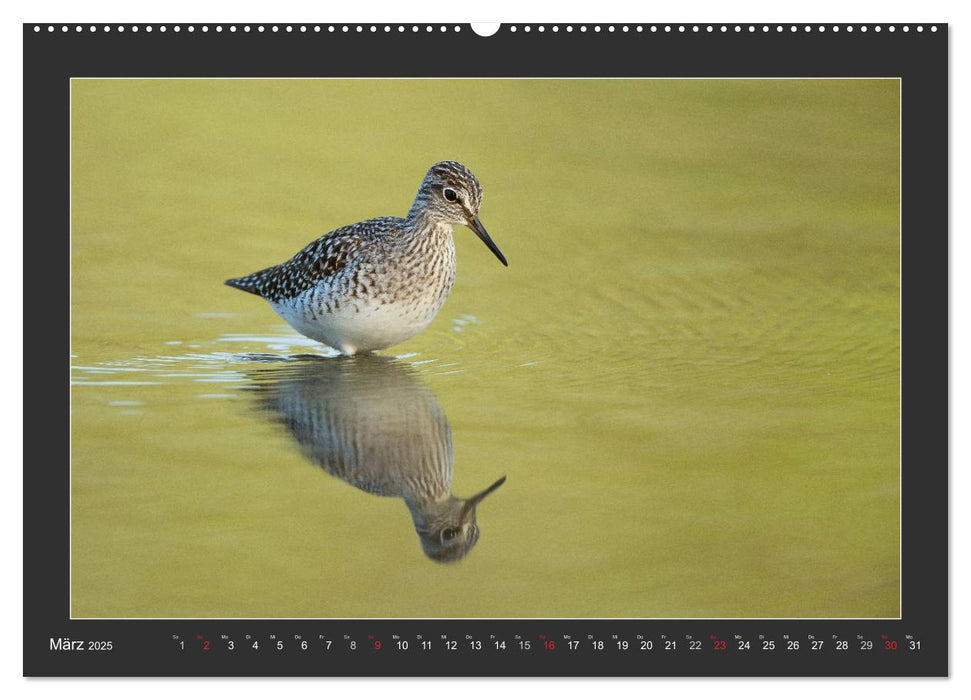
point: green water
(689, 373)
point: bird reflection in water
(370, 421)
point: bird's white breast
(392, 308)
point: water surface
(689, 373)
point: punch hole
(485, 28)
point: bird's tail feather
(249, 283)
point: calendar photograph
(485, 348)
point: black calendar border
(146, 647)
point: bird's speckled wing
(324, 257)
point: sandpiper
(376, 283)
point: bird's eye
(450, 194)
(449, 533)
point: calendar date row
(540, 643)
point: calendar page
(529, 350)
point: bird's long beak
(472, 502)
(480, 231)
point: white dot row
(752, 28)
(682, 28)
(245, 28)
